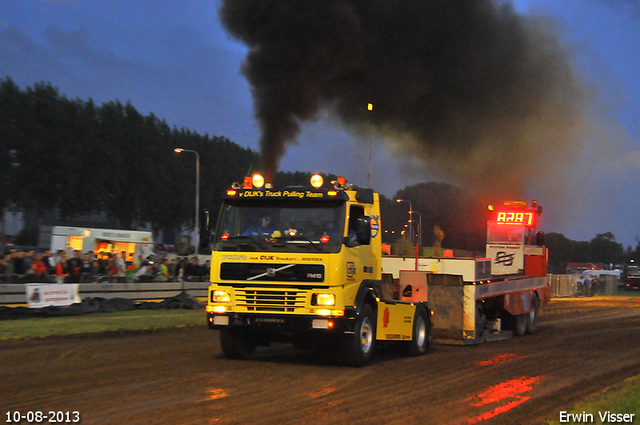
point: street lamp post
(410, 218)
(196, 234)
(419, 241)
(370, 108)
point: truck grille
(268, 272)
(263, 300)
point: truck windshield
(280, 226)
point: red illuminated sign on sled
(528, 218)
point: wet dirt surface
(179, 376)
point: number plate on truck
(220, 320)
(268, 320)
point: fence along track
(11, 294)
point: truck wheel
(237, 344)
(520, 324)
(360, 348)
(532, 316)
(481, 320)
(421, 330)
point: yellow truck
(303, 265)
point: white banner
(44, 295)
(506, 258)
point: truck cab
(302, 265)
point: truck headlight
(323, 299)
(216, 309)
(220, 297)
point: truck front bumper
(284, 323)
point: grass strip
(620, 399)
(91, 323)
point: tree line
(456, 212)
(79, 158)
(602, 249)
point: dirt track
(181, 377)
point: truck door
(360, 260)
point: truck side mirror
(363, 231)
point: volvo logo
(271, 272)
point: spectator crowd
(18, 266)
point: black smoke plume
(479, 92)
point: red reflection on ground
(215, 393)
(323, 392)
(508, 395)
(510, 389)
(500, 358)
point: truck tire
(481, 320)
(237, 344)
(421, 332)
(359, 349)
(520, 324)
(532, 316)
